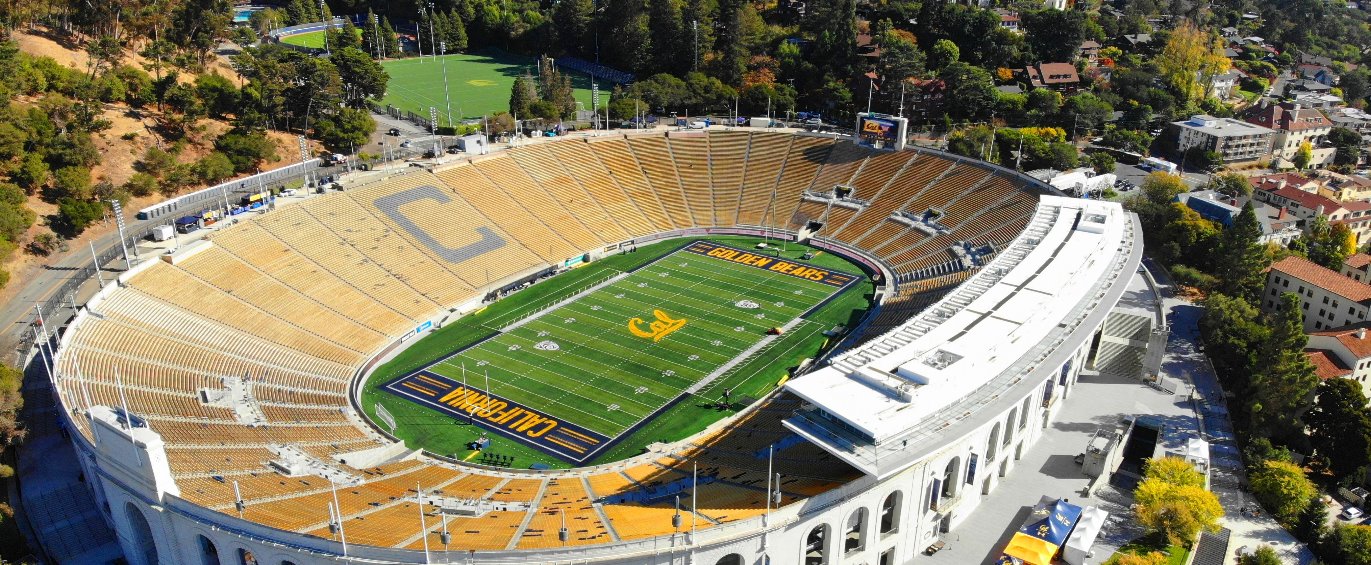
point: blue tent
(1051, 521)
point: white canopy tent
(1077, 548)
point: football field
(571, 378)
(479, 83)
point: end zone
(565, 440)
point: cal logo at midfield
(657, 329)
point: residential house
(1137, 40)
(1342, 353)
(1328, 299)
(1058, 4)
(1278, 181)
(1294, 125)
(1351, 118)
(1347, 188)
(1056, 76)
(1318, 73)
(1355, 214)
(1301, 86)
(1009, 19)
(1089, 52)
(1221, 86)
(1319, 101)
(1235, 141)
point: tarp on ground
(1030, 550)
(1088, 527)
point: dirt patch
(122, 144)
(44, 43)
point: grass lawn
(1176, 555)
(313, 39)
(479, 83)
(579, 362)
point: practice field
(479, 83)
(313, 39)
(570, 379)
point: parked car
(394, 131)
(1351, 513)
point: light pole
(431, 43)
(447, 98)
(328, 25)
(419, 32)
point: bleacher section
(293, 301)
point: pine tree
(1283, 386)
(389, 40)
(573, 19)
(671, 50)
(369, 28)
(1241, 259)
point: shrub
(1192, 277)
(47, 243)
(74, 216)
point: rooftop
(1358, 261)
(1327, 365)
(1354, 337)
(1221, 127)
(1322, 277)
(1305, 199)
(878, 406)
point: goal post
(385, 417)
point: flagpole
(342, 535)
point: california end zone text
(565, 440)
(772, 264)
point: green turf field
(479, 83)
(565, 348)
(313, 39)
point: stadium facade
(205, 428)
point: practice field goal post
(384, 416)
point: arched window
(246, 557)
(730, 559)
(1009, 425)
(854, 536)
(890, 513)
(1023, 414)
(992, 447)
(816, 546)
(209, 555)
(952, 477)
(142, 534)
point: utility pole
(376, 36)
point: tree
(1190, 60)
(944, 53)
(245, 149)
(672, 46)
(1303, 155)
(73, 216)
(1354, 86)
(900, 58)
(1339, 426)
(213, 168)
(1234, 331)
(361, 75)
(1264, 555)
(1173, 470)
(972, 89)
(347, 129)
(1230, 184)
(573, 20)
(1283, 489)
(15, 215)
(555, 88)
(1053, 36)
(1284, 382)
(1177, 511)
(71, 182)
(199, 25)
(1312, 524)
(1101, 162)
(1086, 112)
(1325, 244)
(11, 403)
(219, 96)
(1351, 545)
(522, 95)
(1241, 261)
(141, 184)
(1348, 144)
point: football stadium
(729, 346)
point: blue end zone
(564, 440)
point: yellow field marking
(659, 328)
(566, 445)
(418, 388)
(473, 454)
(481, 82)
(429, 381)
(581, 437)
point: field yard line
(745, 353)
(515, 360)
(552, 361)
(573, 408)
(572, 298)
(782, 354)
(598, 337)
